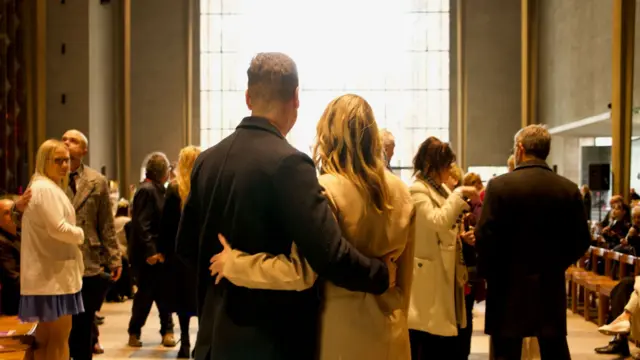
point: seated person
(618, 226)
(630, 244)
(615, 199)
(624, 304)
(9, 260)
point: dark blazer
(146, 213)
(180, 279)
(267, 197)
(532, 227)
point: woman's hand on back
(220, 259)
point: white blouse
(51, 259)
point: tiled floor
(583, 337)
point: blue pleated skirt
(47, 308)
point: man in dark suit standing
(262, 194)
(532, 227)
(147, 262)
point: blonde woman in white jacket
(50, 285)
(437, 308)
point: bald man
(9, 259)
(89, 193)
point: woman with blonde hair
(375, 213)
(50, 286)
(182, 279)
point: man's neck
(75, 165)
(274, 118)
(528, 158)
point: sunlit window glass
(394, 53)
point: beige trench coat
(355, 325)
(433, 305)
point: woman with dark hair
(437, 309)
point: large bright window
(394, 53)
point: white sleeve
(52, 213)
(437, 218)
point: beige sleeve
(632, 305)
(405, 267)
(269, 272)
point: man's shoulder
(254, 146)
(92, 174)
(145, 188)
(532, 177)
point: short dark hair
(272, 76)
(157, 167)
(535, 140)
(432, 156)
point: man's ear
(247, 99)
(296, 98)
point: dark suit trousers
(511, 348)
(81, 338)
(151, 288)
(620, 295)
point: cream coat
(355, 325)
(52, 261)
(432, 306)
(633, 306)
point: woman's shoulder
(41, 185)
(397, 187)
(418, 186)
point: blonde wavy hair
(187, 157)
(348, 144)
(45, 160)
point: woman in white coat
(437, 308)
(50, 286)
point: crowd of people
(285, 256)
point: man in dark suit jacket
(145, 254)
(262, 194)
(532, 227)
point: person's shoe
(168, 340)
(619, 327)
(620, 346)
(101, 318)
(134, 341)
(98, 349)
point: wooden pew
(589, 284)
(16, 339)
(594, 281)
(572, 286)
